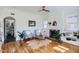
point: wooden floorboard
(51, 47)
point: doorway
(9, 29)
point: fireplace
(54, 34)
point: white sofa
(63, 38)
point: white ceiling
(32, 9)
(35, 9)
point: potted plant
(21, 35)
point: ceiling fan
(44, 9)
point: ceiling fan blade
(47, 10)
(43, 7)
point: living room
(40, 21)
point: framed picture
(32, 23)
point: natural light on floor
(60, 48)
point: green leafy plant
(21, 35)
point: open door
(9, 29)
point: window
(71, 23)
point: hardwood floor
(39, 46)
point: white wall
(1, 30)
(60, 13)
(21, 20)
(70, 11)
(22, 17)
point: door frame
(9, 18)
